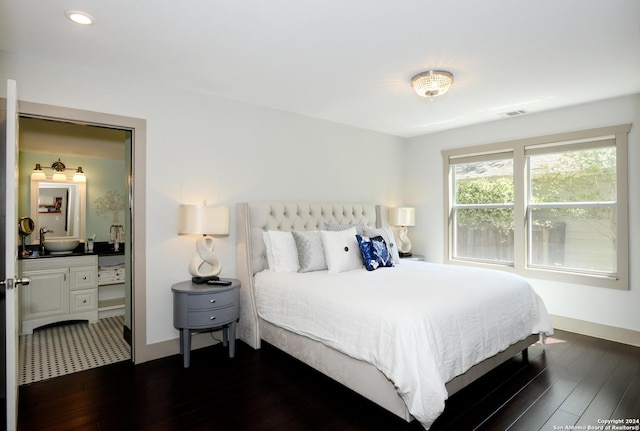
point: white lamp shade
(59, 176)
(38, 175)
(203, 220)
(403, 216)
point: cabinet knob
(213, 318)
(212, 301)
(84, 301)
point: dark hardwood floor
(577, 380)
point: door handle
(10, 283)
(23, 281)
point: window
(551, 207)
(482, 209)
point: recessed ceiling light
(79, 17)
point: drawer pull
(212, 301)
(84, 301)
(84, 278)
(212, 318)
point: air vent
(515, 113)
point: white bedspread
(421, 324)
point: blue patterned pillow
(374, 252)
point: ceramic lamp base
(205, 258)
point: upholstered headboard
(255, 218)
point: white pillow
(267, 245)
(341, 250)
(344, 226)
(387, 234)
(282, 254)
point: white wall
(203, 147)
(424, 189)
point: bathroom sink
(61, 245)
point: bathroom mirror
(60, 206)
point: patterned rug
(64, 349)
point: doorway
(96, 212)
(135, 130)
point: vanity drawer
(211, 318)
(212, 300)
(83, 300)
(83, 277)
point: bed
(311, 316)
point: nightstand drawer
(212, 300)
(210, 318)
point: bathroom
(100, 203)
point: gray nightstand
(199, 307)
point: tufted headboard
(255, 218)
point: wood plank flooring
(577, 380)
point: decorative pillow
(344, 226)
(374, 252)
(387, 234)
(341, 250)
(267, 246)
(282, 254)
(310, 250)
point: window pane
(484, 182)
(479, 232)
(581, 239)
(484, 234)
(574, 176)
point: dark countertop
(99, 248)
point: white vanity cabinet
(61, 289)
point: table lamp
(203, 220)
(403, 217)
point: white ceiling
(350, 61)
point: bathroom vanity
(72, 282)
(61, 289)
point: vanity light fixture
(203, 220)
(79, 17)
(432, 83)
(58, 173)
(38, 173)
(79, 176)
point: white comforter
(420, 324)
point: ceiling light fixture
(79, 17)
(432, 83)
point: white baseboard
(611, 333)
(172, 347)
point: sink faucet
(43, 232)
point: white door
(11, 253)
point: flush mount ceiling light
(79, 17)
(432, 83)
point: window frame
(518, 148)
